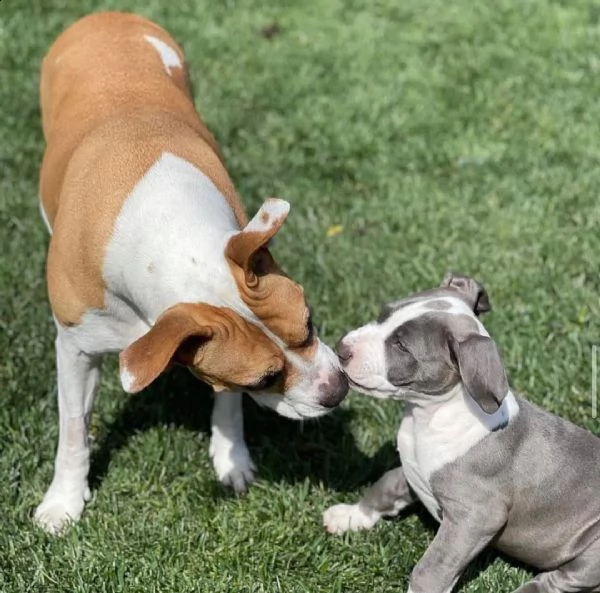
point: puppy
(489, 466)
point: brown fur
(107, 118)
(93, 104)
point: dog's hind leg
(386, 498)
(78, 377)
(228, 450)
(581, 575)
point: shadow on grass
(322, 450)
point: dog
(490, 467)
(152, 254)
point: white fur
(170, 58)
(353, 517)
(167, 247)
(439, 430)
(367, 370)
(271, 211)
(78, 379)
(45, 217)
(228, 451)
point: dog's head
(262, 342)
(424, 345)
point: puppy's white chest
(415, 474)
(433, 436)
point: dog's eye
(310, 332)
(265, 382)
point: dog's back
(103, 65)
(115, 96)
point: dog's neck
(456, 401)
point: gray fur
(431, 353)
(530, 488)
(453, 285)
(481, 371)
(471, 291)
(389, 495)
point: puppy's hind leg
(386, 498)
(78, 377)
(581, 575)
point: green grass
(442, 134)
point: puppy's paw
(58, 509)
(344, 517)
(233, 464)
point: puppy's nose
(343, 351)
(333, 392)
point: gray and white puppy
(490, 467)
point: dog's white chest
(431, 437)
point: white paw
(344, 517)
(59, 508)
(233, 464)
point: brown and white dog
(152, 254)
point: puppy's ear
(145, 359)
(481, 371)
(246, 249)
(471, 291)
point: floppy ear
(481, 371)
(245, 245)
(471, 291)
(150, 355)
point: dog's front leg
(386, 498)
(78, 376)
(460, 538)
(228, 451)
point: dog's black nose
(343, 351)
(334, 392)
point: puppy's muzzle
(343, 351)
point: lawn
(440, 134)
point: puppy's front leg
(228, 451)
(460, 538)
(386, 498)
(78, 377)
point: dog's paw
(58, 509)
(344, 517)
(233, 464)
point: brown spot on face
(264, 217)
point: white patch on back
(44, 216)
(439, 431)
(170, 58)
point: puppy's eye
(267, 381)
(400, 346)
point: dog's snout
(333, 392)
(343, 351)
